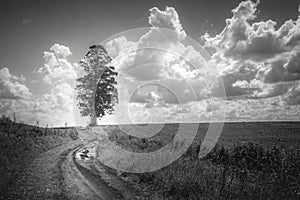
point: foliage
(5, 119)
(96, 90)
(106, 93)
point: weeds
(20, 143)
(256, 172)
(238, 171)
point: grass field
(264, 133)
(257, 160)
(21, 143)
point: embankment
(21, 143)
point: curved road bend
(59, 174)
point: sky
(251, 73)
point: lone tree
(97, 93)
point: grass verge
(21, 143)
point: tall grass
(253, 171)
(20, 143)
(239, 171)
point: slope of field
(21, 143)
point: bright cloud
(12, 87)
(163, 77)
(256, 58)
(160, 57)
(56, 66)
(54, 107)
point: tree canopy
(96, 90)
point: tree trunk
(93, 119)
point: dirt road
(60, 173)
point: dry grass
(21, 143)
(237, 170)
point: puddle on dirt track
(87, 153)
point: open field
(264, 133)
(259, 160)
(251, 161)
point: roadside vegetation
(236, 170)
(21, 143)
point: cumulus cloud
(53, 107)
(157, 50)
(159, 56)
(152, 49)
(243, 39)
(120, 45)
(285, 69)
(60, 97)
(12, 87)
(56, 66)
(257, 64)
(166, 19)
(61, 74)
(184, 109)
(272, 90)
(181, 91)
(211, 106)
(234, 81)
(173, 91)
(293, 95)
(153, 99)
(61, 50)
(149, 99)
(271, 54)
